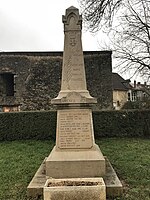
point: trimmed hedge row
(42, 125)
(124, 123)
(27, 125)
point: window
(133, 96)
(118, 103)
(7, 84)
(129, 96)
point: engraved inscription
(73, 73)
(72, 41)
(74, 129)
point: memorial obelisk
(75, 154)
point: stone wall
(37, 78)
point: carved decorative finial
(72, 20)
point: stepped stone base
(112, 182)
(75, 164)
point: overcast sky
(36, 25)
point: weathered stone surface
(73, 73)
(114, 186)
(73, 85)
(75, 163)
(74, 129)
(95, 192)
(35, 187)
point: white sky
(36, 25)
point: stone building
(121, 88)
(29, 80)
(140, 92)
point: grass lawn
(19, 161)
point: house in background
(141, 92)
(124, 91)
(121, 91)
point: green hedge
(124, 123)
(42, 125)
(27, 125)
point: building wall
(37, 78)
(119, 99)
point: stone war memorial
(76, 167)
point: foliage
(136, 105)
(124, 123)
(27, 125)
(42, 125)
(21, 159)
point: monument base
(75, 163)
(113, 185)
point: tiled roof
(118, 83)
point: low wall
(42, 125)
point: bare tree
(99, 13)
(131, 38)
(130, 32)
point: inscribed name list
(74, 129)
